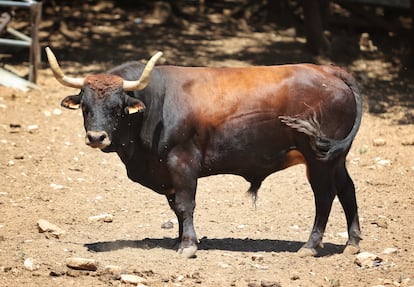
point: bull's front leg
(184, 168)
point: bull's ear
(71, 102)
(134, 106)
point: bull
(171, 125)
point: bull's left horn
(145, 76)
(59, 75)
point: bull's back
(218, 96)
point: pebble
(167, 225)
(383, 162)
(390, 250)
(82, 263)
(113, 269)
(367, 260)
(343, 234)
(30, 264)
(381, 221)
(269, 284)
(379, 142)
(133, 279)
(105, 217)
(57, 112)
(408, 142)
(32, 128)
(46, 226)
(56, 186)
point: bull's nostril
(96, 137)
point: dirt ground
(47, 172)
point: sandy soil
(47, 172)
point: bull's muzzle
(97, 139)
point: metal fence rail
(22, 40)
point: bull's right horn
(59, 75)
(145, 76)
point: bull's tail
(324, 147)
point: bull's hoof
(307, 252)
(188, 252)
(351, 249)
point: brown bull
(176, 124)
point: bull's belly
(253, 153)
(252, 165)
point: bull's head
(103, 100)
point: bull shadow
(223, 244)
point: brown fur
(103, 83)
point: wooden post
(411, 56)
(35, 18)
(314, 25)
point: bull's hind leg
(346, 194)
(321, 178)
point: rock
(351, 250)
(381, 222)
(30, 264)
(46, 226)
(105, 217)
(379, 142)
(82, 263)
(367, 260)
(167, 225)
(57, 112)
(363, 149)
(32, 128)
(408, 142)
(270, 284)
(383, 162)
(113, 269)
(390, 250)
(57, 273)
(133, 279)
(56, 186)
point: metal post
(24, 41)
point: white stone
(82, 263)
(132, 279)
(367, 260)
(32, 128)
(390, 250)
(383, 162)
(343, 234)
(46, 226)
(57, 112)
(105, 217)
(56, 186)
(30, 264)
(379, 142)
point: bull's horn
(59, 75)
(145, 76)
